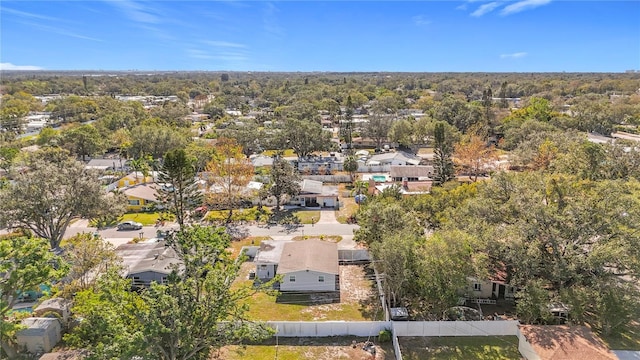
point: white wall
(308, 281)
(266, 272)
(526, 350)
(328, 328)
(455, 328)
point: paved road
(237, 230)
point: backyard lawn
(307, 348)
(237, 245)
(462, 348)
(357, 300)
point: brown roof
(411, 171)
(562, 342)
(143, 191)
(313, 254)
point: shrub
(384, 336)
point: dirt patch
(347, 348)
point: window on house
(292, 278)
(263, 267)
(164, 279)
(477, 287)
(134, 202)
(320, 278)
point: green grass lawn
(249, 214)
(462, 348)
(338, 347)
(348, 207)
(307, 216)
(287, 152)
(628, 339)
(142, 217)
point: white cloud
(10, 66)
(136, 11)
(224, 44)
(485, 8)
(517, 55)
(27, 14)
(522, 6)
(420, 20)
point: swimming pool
(379, 178)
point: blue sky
(476, 35)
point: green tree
(229, 172)
(179, 193)
(7, 156)
(156, 140)
(89, 257)
(442, 163)
(377, 128)
(350, 165)
(284, 180)
(51, 194)
(25, 264)
(48, 137)
(83, 141)
(304, 137)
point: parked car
(129, 225)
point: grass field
(462, 348)
(339, 348)
(236, 246)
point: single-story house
(141, 196)
(107, 164)
(40, 335)
(145, 263)
(261, 161)
(59, 306)
(310, 265)
(268, 258)
(319, 165)
(137, 177)
(316, 194)
(489, 289)
(406, 174)
(561, 342)
(394, 158)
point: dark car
(129, 225)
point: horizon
(471, 36)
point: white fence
(455, 328)
(328, 328)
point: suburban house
(315, 194)
(40, 334)
(382, 162)
(318, 165)
(261, 162)
(493, 289)
(309, 265)
(145, 263)
(135, 178)
(107, 165)
(141, 196)
(406, 174)
(561, 342)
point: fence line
(328, 328)
(396, 347)
(455, 328)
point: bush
(384, 336)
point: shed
(60, 306)
(40, 336)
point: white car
(129, 225)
